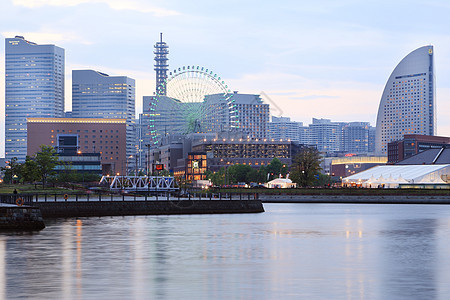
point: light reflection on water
(308, 251)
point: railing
(29, 199)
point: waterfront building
(304, 135)
(408, 104)
(356, 137)
(372, 132)
(253, 152)
(349, 165)
(221, 150)
(103, 136)
(285, 129)
(325, 135)
(34, 87)
(412, 144)
(98, 95)
(253, 115)
(334, 138)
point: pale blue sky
(323, 59)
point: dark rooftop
(437, 156)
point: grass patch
(31, 189)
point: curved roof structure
(408, 105)
(393, 175)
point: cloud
(46, 36)
(135, 5)
(313, 97)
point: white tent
(391, 176)
(280, 183)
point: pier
(87, 205)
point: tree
(239, 173)
(217, 178)
(275, 168)
(46, 161)
(305, 166)
(29, 170)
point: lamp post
(128, 165)
(136, 165)
(82, 166)
(148, 159)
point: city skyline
(305, 57)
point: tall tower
(34, 88)
(161, 65)
(408, 104)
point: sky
(310, 59)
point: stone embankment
(356, 199)
(13, 217)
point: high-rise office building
(408, 104)
(98, 95)
(34, 88)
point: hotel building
(408, 104)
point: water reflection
(291, 251)
(2, 269)
(410, 252)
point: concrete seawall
(386, 199)
(125, 208)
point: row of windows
(87, 131)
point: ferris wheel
(192, 99)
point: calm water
(292, 251)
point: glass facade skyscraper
(34, 87)
(408, 104)
(98, 95)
